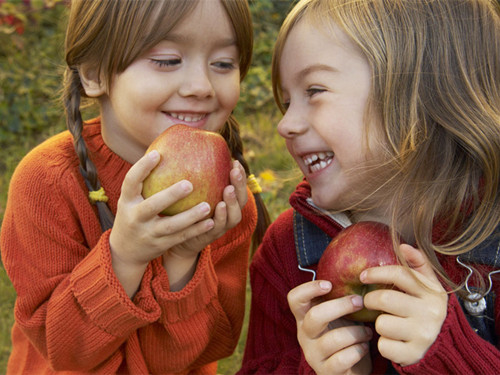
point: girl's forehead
(209, 15)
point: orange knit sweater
(71, 312)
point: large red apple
(360, 246)
(199, 156)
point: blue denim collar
(487, 253)
(311, 241)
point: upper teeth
(318, 161)
(187, 117)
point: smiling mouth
(318, 161)
(188, 117)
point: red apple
(199, 156)
(360, 246)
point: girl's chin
(326, 201)
(322, 203)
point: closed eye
(166, 63)
(225, 65)
(314, 90)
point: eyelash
(224, 65)
(310, 92)
(169, 63)
(166, 63)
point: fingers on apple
(233, 206)
(156, 203)
(318, 317)
(303, 298)
(220, 218)
(132, 184)
(390, 301)
(300, 298)
(408, 280)
(238, 180)
(194, 230)
(185, 225)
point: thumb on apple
(132, 184)
(300, 298)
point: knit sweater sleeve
(272, 346)
(69, 303)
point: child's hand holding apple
(142, 232)
(412, 314)
(407, 304)
(330, 343)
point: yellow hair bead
(98, 196)
(253, 184)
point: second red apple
(360, 246)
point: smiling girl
(391, 109)
(105, 284)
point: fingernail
(231, 190)
(325, 285)
(204, 207)
(238, 175)
(362, 276)
(153, 155)
(186, 185)
(210, 224)
(357, 301)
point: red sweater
(72, 314)
(272, 346)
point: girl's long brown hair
(109, 36)
(436, 93)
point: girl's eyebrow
(314, 68)
(180, 38)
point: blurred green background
(31, 56)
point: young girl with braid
(105, 284)
(391, 109)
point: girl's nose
(196, 83)
(291, 125)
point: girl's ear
(91, 82)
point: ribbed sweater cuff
(457, 349)
(103, 298)
(194, 297)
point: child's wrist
(180, 268)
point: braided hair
(72, 100)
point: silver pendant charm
(477, 305)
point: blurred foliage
(256, 88)
(30, 57)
